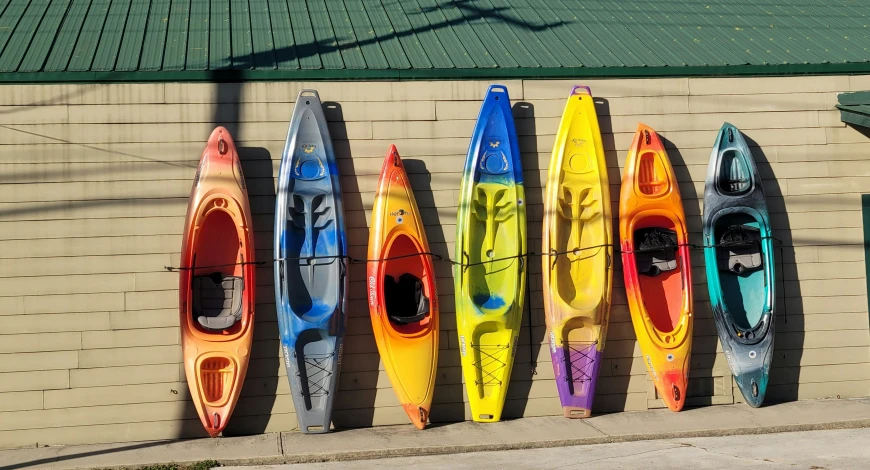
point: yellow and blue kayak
(578, 249)
(491, 245)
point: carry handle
(581, 87)
(308, 92)
(497, 89)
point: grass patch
(202, 465)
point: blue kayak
(310, 268)
(740, 263)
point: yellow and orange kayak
(403, 301)
(216, 283)
(655, 263)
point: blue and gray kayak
(310, 269)
(740, 262)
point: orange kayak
(402, 295)
(655, 263)
(216, 283)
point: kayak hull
(217, 244)
(578, 274)
(310, 271)
(406, 332)
(742, 298)
(656, 265)
(491, 244)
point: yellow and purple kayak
(578, 249)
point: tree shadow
(354, 405)
(788, 344)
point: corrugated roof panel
(307, 51)
(325, 40)
(346, 39)
(9, 20)
(412, 46)
(175, 54)
(491, 45)
(549, 31)
(261, 34)
(378, 41)
(523, 41)
(443, 38)
(66, 39)
(113, 32)
(282, 35)
(240, 35)
(89, 37)
(23, 35)
(220, 55)
(42, 41)
(196, 57)
(154, 45)
(134, 31)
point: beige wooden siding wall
(93, 195)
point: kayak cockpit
(217, 300)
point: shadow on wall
(788, 343)
(358, 381)
(615, 374)
(706, 386)
(533, 327)
(449, 402)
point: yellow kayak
(578, 237)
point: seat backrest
(217, 300)
(655, 250)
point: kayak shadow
(533, 326)
(255, 407)
(448, 405)
(788, 344)
(706, 386)
(354, 404)
(612, 388)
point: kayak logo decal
(308, 148)
(553, 342)
(399, 215)
(651, 368)
(373, 293)
(286, 355)
(514, 348)
(462, 345)
(494, 143)
(578, 142)
(340, 351)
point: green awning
(855, 108)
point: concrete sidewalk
(396, 441)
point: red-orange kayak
(216, 283)
(655, 263)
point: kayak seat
(739, 249)
(655, 250)
(217, 300)
(405, 301)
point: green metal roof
(855, 108)
(117, 40)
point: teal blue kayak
(740, 264)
